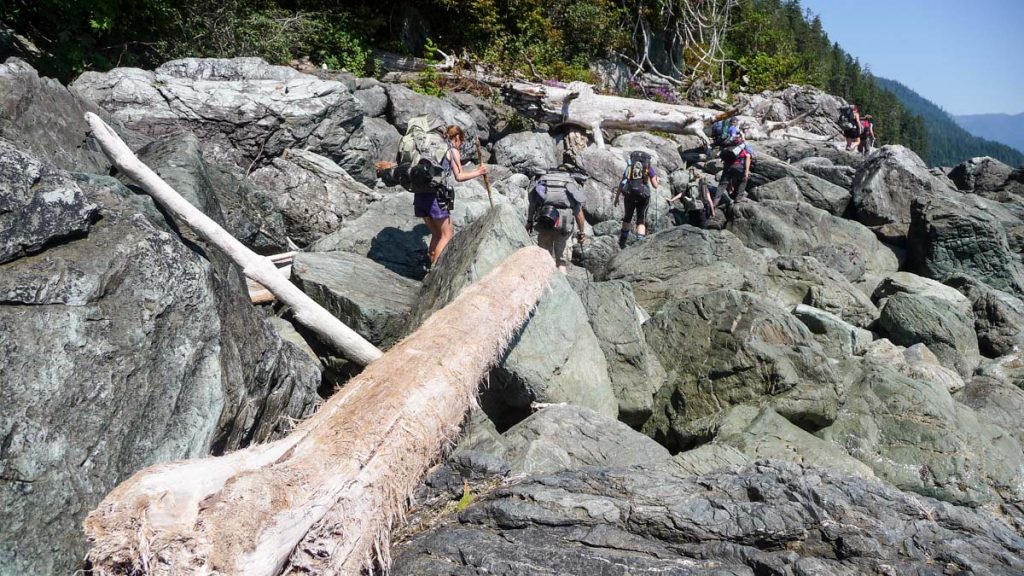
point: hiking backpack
(717, 133)
(555, 213)
(731, 153)
(693, 198)
(424, 136)
(847, 119)
(637, 170)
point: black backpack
(554, 190)
(637, 170)
(431, 176)
(847, 119)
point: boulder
(245, 210)
(383, 139)
(635, 372)
(404, 105)
(785, 189)
(844, 258)
(687, 261)
(313, 194)
(567, 437)
(123, 346)
(998, 316)
(795, 151)
(907, 283)
(997, 400)
(726, 348)
(821, 108)
(664, 151)
(366, 296)
(793, 280)
(387, 233)
(837, 338)
(917, 362)
(793, 229)
(838, 174)
(373, 100)
(47, 120)
(888, 183)
(761, 434)
(555, 357)
(813, 190)
(916, 437)
(242, 109)
(984, 175)
(530, 153)
(962, 236)
(707, 458)
(766, 518)
(39, 205)
(908, 319)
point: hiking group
(858, 130)
(556, 198)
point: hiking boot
(623, 236)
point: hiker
(849, 121)
(434, 204)
(635, 189)
(556, 210)
(867, 135)
(736, 157)
(696, 198)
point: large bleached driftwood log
(323, 499)
(310, 314)
(578, 105)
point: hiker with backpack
(849, 122)
(737, 157)
(556, 211)
(434, 197)
(696, 198)
(867, 135)
(635, 189)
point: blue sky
(965, 55)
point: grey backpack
(556, 191)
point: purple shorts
(425, 206)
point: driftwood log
(578, 105)
(323, 499)
(259, 268)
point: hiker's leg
(641, 215)
(435, 235)
(562, 252)
(741, 189)
(629, 206)
(445, 227)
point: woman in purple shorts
(426, 206)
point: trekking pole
(487, 183)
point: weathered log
(325, 497)
(578, 105)
(261, 269)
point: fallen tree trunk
(325, 497)
(578, 105)
(332, 331)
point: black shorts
(636, 203)
(851, 133)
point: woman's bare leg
(445, 236)
(435, 236)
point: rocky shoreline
(830, 382)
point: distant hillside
(948, 143)
(1005, 128)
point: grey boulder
(916, 437)
(242, 109)
(633, 368)
(815, 191)
(405, 104)
(998, 316)
(837, 338)
(366, 296)
(725, 348)
(766, 518)
(530, 153)
(124, 347)
(793, 280)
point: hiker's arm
(529, 215)
(459, 174)
(618, 190)
(654, 180)
(580, 223)
(707, 196)
(746, 167)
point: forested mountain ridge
(1005, 128)
(679, 49)
(948, 142)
